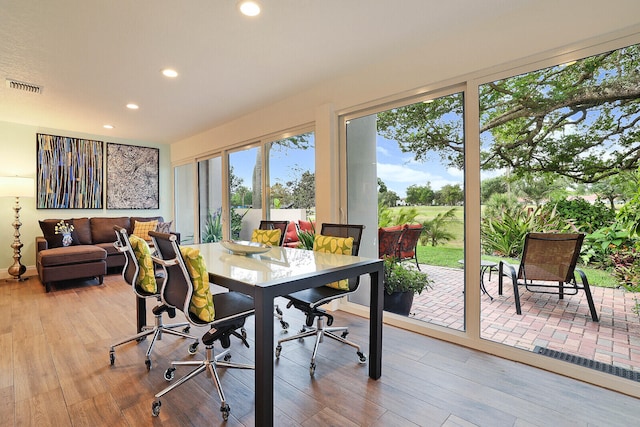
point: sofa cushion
(135, 219)
(292, 233)
(164, 227)
(77, 254)
(142, 229)
(307, 225)
(102, 228)
(82, 228)
(54, 238)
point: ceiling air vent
(27, 87)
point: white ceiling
(94, 57)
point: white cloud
(399, 177)
(383, 151)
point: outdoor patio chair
(548, 265)
(408, 242)
(388, 238)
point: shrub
(585, 216)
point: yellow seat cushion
(146, 275)
(334, 245)
(201, 304)
(142, 229)
(267, 237)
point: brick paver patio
(561, 325)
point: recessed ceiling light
(249, 7)
(108, 126)
(132, 106)
(168, 72)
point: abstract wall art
(132, 177)
(69, 172)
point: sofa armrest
(41, 244)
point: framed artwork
(69, 172)
(132, 177)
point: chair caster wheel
(186, 329)
(193, 348)
(362, 358)
(243, 332)
(112, 357)
(312, 369)
(344, 334)
(278, 350)
(148, 364)
(225, 411)
(227, 357)
(170, 374)
(155, 408)
(284, 325)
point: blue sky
(398, 170)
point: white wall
(18, 157)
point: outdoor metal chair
(548, 265)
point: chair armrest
(177, 234)
(511, 271)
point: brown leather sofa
(92, 253)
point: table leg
(264, 358)
(375, 324)
(483, 270)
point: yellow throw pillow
(142, 229)
(201, 304)
(146, 275)
(267, 237)
(334, 245)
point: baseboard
(31, 271)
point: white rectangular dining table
(282, 271)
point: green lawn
(448, 254)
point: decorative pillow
(146, 275)
(164, 227)
(267, 237)
(142, 229)
(59, 233)
(201, 304)
(307, 225)
(334, 245)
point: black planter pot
(398, 302)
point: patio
(560, 325)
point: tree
(492, 186)
(575, 120)
(388, 198)
(536, 188)
(303, 193)
(449, 195)
(435, 230)
(419, 195)
(620, 186)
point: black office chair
(141, 276)
(310, 300)
(282, 226)
(272, 225)
(231, 310)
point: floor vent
(581, 361)
(27, 87)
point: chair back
(408, 241)
(178, 288)
(272, 225)
(388, 238)
(550, 256)
(131, 269)
(346, 230)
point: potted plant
(401, 282)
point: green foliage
(602, 243)
(420, 195)
(402, 277)
(449, 195)
(306, 239)
(435, 230)
(213, 227)
(629, 214)
(236, 223)
(626, 270)
(575, 120)
(586, 217)
(388, 217)
(504, 235)
(498, 203)
(491, 186)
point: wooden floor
(55, 371)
